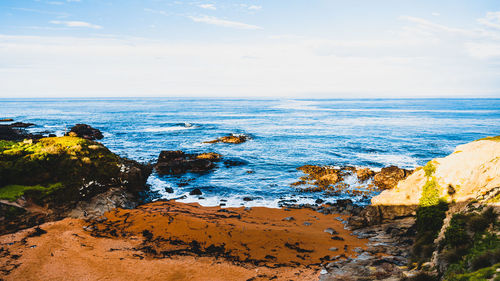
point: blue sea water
(285, 134)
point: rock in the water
(195, 191)
(6, 120)
(389, 177)
(178, 162)
(234, 139)
(16, 132)
(85, 131)
(321, 177)
(364, 174)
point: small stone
(248, 208)
(331, 231)
(333, 249)
(289, 219)
(306, 223)
(358, 250)
(323, 272)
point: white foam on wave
(399, 160)
(187, 126)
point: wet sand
(176, 241)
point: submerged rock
(178, 162)
(234, 139)
(17, 132)
(85, 131)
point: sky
(250, 48)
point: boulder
(85, 131)
(389, 177)
(364, 174)
(234, 139)
(178, 162)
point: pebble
(306, 223)
(333, 249)
(331, 231)
(289, 219)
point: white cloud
(254, 7)
(76, 24)
(491, 20)
(483, 50)
(207, 6)
(436, 14)
(224, 23)
(434, 27)
(73, 0)
(156, 11)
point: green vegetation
(496, 138)
(471, 247)
(430, 216)
(32, 168)
(12, 192)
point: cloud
(73, 0)
(436, 14)
(55, 3)
(40, 11)
(254, 7)
(492, 20)
(434, 27)
(224, 23)
(207, 6)
(76, 24)
(160, 12)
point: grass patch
(12, 192)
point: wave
(186, 126)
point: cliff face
(472, 171)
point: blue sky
(315, 48)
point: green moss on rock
(71, 161)
(14, 191)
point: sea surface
(285, 134)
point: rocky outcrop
(322, 177)
(389, 177)
(471, 171)
(179, 162)
(47, 178)
(364, 174)
(85, 131)
(17, 132)
(234, 139)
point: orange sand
(231, 245)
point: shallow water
(285, 134)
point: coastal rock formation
(234, 139)
(471, 171)
(17, 132)
(322, 177)
(46, 179)
(178, 162)
(364, 174)
(85, 131)
(389, 177)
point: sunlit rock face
(472, 171)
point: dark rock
(169, 190)
(21, 125)
(247, 199)
(178, 162)
(6, 120)
(306, 223)
(289, 219)
(331, 231)
(195, 191)
(85, 131)
(389, 177)
(319, 201)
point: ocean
(285, 134)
